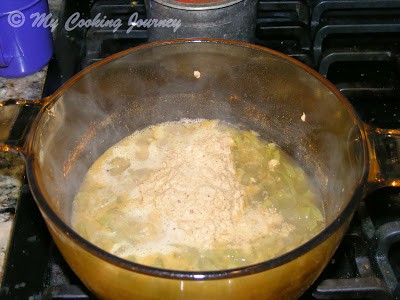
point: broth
(196, 195)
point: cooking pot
(275, 95)
(227, 19)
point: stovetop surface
(355, 44)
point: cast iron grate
(367, 263)
(354, 43)
(102, 42)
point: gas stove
(354, 43)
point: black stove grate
(367, 263)
(104, 42)
(354, 43)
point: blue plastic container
(26, 46)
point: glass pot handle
(384, 148)
(9, 115)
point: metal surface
(233, 20)
(198, 5)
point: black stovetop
(354, 43)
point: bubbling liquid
(196, 195)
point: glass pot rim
(330, 229)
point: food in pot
(196, 195)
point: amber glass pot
(282, 99)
